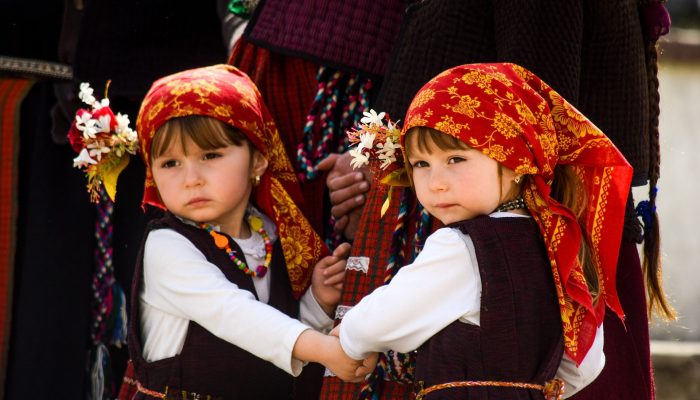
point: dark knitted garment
(591, 52)
(146, 40)
(353, 36)
(208, 365)
(520, 335)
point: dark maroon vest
(208, 365)
(520, 336)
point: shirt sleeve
(180, 281)
(576, 378)
(441, 286)
(311, 313)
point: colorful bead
(222, 242)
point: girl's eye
(168, 164)
(211, 156)
(455, 160)
(420, 164)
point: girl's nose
(438, 179)
(193, 176)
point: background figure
(318, 65)
(53, 264)
(598, 55)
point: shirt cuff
(293, 366)
(311, 313)
(347, 346)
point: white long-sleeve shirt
(180, 285)
(441, 286)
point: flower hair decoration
(377, 145)
(103, 142)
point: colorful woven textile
(287, 85)
(367, 270)
(510, 115)
(227, 94)
(12, 92)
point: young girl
(221, 277)
(532, 195)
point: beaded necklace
(512, 205)
(222, 242)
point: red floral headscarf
(227, 94)
(512, 116)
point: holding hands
(325, 349)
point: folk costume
(318, 70)
(512, 116)
(216, 354)
(601, 57)
(319, 65)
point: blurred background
(676, 345)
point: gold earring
(256, 180)
(517, 179)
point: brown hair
(206, 132)
(651, 263)
(568, 190)
(425, 137)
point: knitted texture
(354, 36)
(590, 52)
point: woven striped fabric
(373, 240)
(287, 85)
(12, 92)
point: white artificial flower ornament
(96, 150)
(103, 142)
(103, 123)
(372, 118)
(86, 94)
(387, 152)
(367, 140)
(358, 158)
(83, 159)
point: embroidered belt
(150, 392)
(552, 390)
(181, 395)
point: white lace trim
(358, 264)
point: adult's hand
(347, 188)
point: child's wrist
(329, 309)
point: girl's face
(457, 184)
(207, 186)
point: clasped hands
(346, 368)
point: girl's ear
(259, 164)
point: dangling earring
(256, 180)
(517, 179)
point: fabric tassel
(100, 360)
(119, 329)
(324, 131)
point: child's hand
(327, 278)
(344, 367)
(317, 347)
(368, 364)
